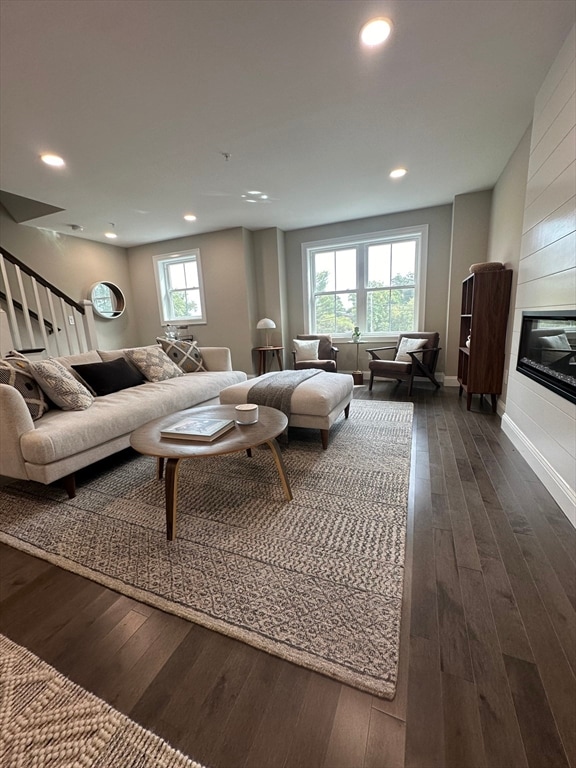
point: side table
(357, 375)
(262, 352)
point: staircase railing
(40, 315)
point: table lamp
(266, 324)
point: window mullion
(361, 293)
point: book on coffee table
(196, 428)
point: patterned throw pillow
(60, 385)
(153, 362)
(185, 354)
(408, 345)
(15, 371)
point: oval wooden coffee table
(242, 437)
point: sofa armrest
(216, 358)
(16, 420)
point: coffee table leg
(172, 466)
(160, 468)
(280, 466)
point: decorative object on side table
(171, 332)
(357, 375)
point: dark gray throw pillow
(105, 378)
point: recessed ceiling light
(110, 235)
(254, 192)
(397, 173)
(376, 31)
(190, 217)
(263, 197)
(53, 160)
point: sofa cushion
(15, 371)
(185, 354)
(58, 435)
(153, 362)
(105, 378)
(60, 386)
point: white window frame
(160, 261)
(418, 232)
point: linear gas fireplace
(547, 351)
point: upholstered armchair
(307, 356)
(415, 354)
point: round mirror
(107, 299)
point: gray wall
(439, 221)
(228, 272)
(469, 245)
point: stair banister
(10, 306)
(76, 318)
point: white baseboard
(559, 489)
(450, 381)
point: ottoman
(315, 404)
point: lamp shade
(265, 323)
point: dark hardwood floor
(488, 655)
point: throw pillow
(408, 345)
(15, 371)
(60, 385)
(558, 341)
(306, 350)
(105, 378)
(554, 347)
(154, 363)
(186, 354)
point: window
(179, 286)
(376, 282)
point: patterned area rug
(317, 581)
(48, 721)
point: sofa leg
(69, 483)
(324, 436)
(347, 411)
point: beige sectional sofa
(63, 441)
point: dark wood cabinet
(483, 321)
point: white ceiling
(143, 97)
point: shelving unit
(483, 317)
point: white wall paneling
(542, 424)
(559, 255)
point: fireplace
(547, 351)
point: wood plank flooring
(488, 651)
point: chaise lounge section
(315, 404)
